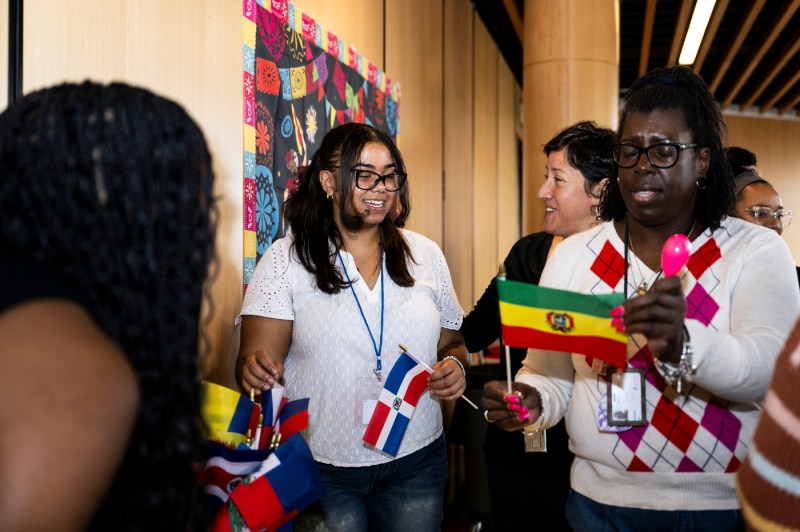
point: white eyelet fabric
(331, 358)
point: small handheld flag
(229, 414)
(560, 320)
(405, 384)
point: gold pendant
(642, 290)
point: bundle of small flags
(259, 472)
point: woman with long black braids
(106, 232)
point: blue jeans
(584, 514)
(401, 495)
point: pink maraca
(675, 254)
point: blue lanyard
(377, 347)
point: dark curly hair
(588, 150)
(310, 214)
(678, 88)
(109, 187)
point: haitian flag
(560, 320)
(285, 484)
(398, 400)
(293, 418)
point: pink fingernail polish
(522, 416)
(621, 329)
(617, 311)
(511, 398)
(616, 322)
(515, 408)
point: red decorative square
(734, 465)
(637, 466)
(609, 265)
(309, 28)
(676, 426)
(703, 258)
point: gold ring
(486, 417)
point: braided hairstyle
(110, 189)
(588, 150)
(311, 216)
(678, 88)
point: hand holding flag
(404, 386)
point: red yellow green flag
(560, 320)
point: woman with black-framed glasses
(324, 313)
(701, 344)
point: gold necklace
(646, 283)
(643, 287)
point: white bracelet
(457, 361)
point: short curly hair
(678, 88)
(588, 151)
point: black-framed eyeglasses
(367, 179)
(662, 155)
(765, 215)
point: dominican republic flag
(285, 484)
(226, 468)
(272, 401)
(404, 386)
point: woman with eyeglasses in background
(701, 345)
(325, 311)
(757, 201)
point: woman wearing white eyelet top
(325, 311)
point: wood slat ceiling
(749, 57)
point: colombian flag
(559, 320)
(228, 414)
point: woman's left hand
(447, 380)
(659, 315)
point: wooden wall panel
(775, 143)
(485, 142)
(190, 52)
(356, 22)
(414, 51)
(459, 186)
(570, 73)
(508, 206)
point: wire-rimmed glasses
(765, 215)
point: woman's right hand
(258, 371)
(513, 411)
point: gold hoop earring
(595, 211)
(702, 182)
(329, 196)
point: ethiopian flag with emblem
(560, 320)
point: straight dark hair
(310, 213)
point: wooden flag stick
(424, 365)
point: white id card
(367, 393)
(626, 397)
